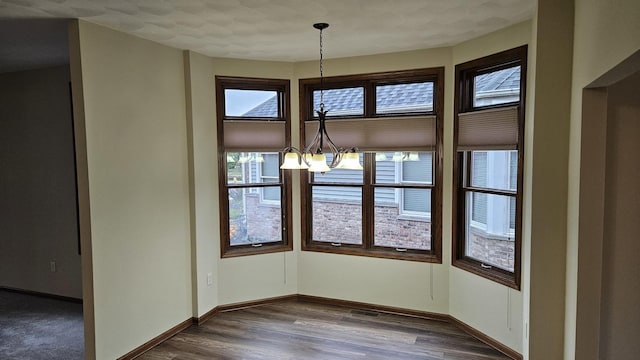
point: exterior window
(489, 130)
(384, 210)
(418, 98)
(342, 102)
(255, 195)
(416, 170)
(268, 171)
(497, 87)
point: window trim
(465, 73)
(282, 86)
(369, 82)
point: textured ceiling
(281, 29)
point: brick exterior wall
(398, 231)
(342, 222)
(332, 222)
(339, 222)
(494, 251)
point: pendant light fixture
(312, 156)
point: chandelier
(311, 157)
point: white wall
(203, 174)
(605, 34)
(545, 291)
(136, 148)
(37, 184)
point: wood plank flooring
(302, 330)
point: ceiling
(263, 29)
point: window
(489, 133)
(255, 195)
(389, 209)
(415, 170)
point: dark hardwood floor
(302, 330)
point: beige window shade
(379, 134)
(495, 129)
(244, 135)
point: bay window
(488, 137)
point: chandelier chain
(321, 75)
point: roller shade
(495, 129)
(379, 134)
(246, 135)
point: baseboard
(206, 316)
(242, 305)
(486, 339)
(41, 294)
(157, 340)
(373, 307)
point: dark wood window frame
(463, 102)
(282, 87)
(369, 83)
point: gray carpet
(33, 327)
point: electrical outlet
(209, 278)
(52, 266)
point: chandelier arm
(337, 152)
(313, 146)
(332, 146)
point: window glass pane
(404, 98)
(513, 170)
(236, 167)
(513, 182)
(493, 242)
(251, 103)
(392, 229)
(340, 175)
(479, 168)
(479, 208)
(493, 170)
(269, 165)
(252, 167)
(404, 167)
(512, 214)
(387, 171)
(337, 214)
(497, 87)
(340, 102)
(416, 201)
(418, 168)
(271, 193)
(251, 221)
